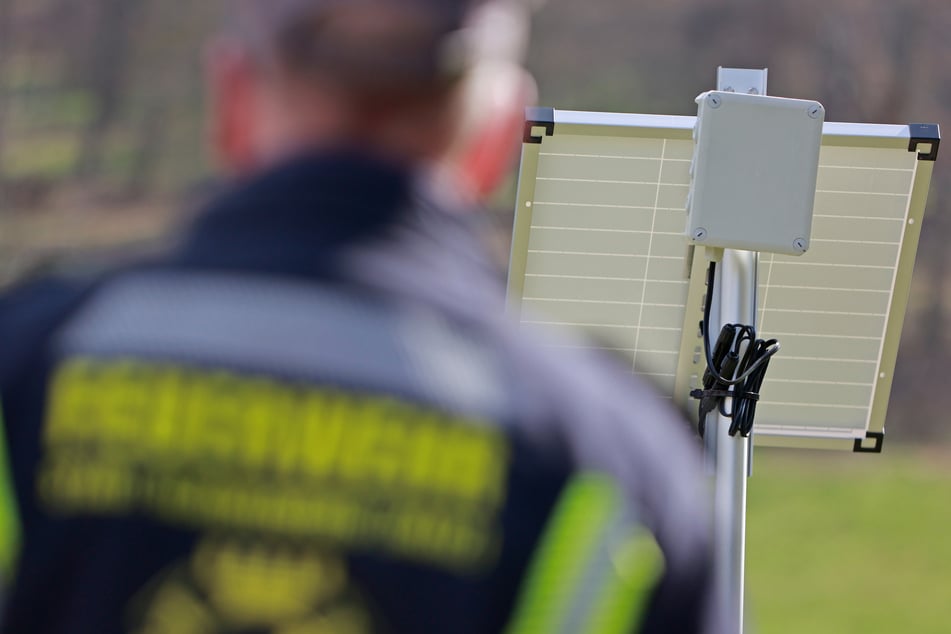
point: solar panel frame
(548, 130)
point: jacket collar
(293, 217)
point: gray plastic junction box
(753, 176)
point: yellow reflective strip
(636, 567)
(548, 596)
(9, 516)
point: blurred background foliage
(102, 148)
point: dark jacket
(313, 416)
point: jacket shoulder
(29, 313)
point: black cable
(747, 395)
(711, 277)
(738, 361)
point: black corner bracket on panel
(877, 436)
(538, 118)
(924, 133)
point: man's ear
(231, 82)
(490, 132)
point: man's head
(416, 80)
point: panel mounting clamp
(924, 133)
(877, 436)
(538, 118)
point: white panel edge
(679, 122)
(616, 119)
(762, 429)
(866, 130)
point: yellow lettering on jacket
(217, 448)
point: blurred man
(312, 416)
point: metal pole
(737, 288)
(737, 292)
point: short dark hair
(383, 47)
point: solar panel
(599, 245)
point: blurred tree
(111, 46)
(6, 45)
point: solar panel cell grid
(605, 251)
(606, 245)
(830, 308)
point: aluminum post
(736, 287)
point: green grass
(845, 543)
